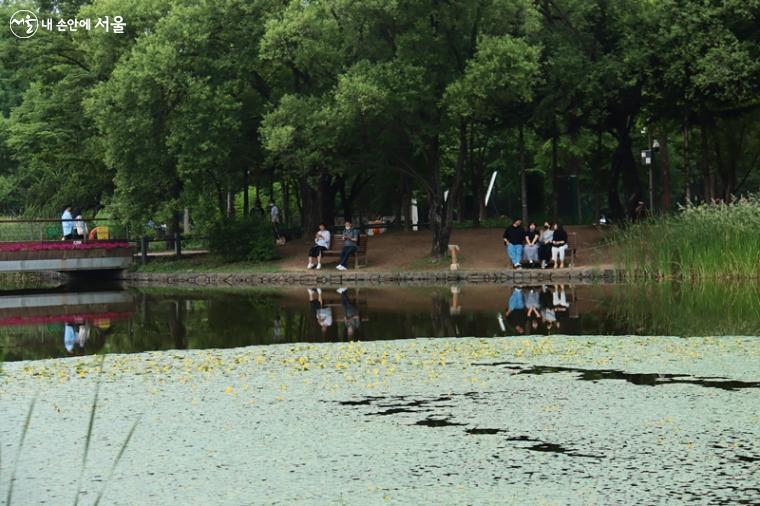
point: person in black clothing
(559, 246)
(514, 239)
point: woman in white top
(545, 244)
(80, 226)
(321, 243)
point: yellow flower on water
(229, 390)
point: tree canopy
(355, 108)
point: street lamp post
(647, 158)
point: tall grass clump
(705, 241)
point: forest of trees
(358, 106)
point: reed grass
(87, 443)
(698, 242)
(24, 432)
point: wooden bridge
(45, 251)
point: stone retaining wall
(312, 278)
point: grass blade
(116, 461)
(20, 446)
(88, 437)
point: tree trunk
(435, 194)
(624, 165)
(246, 205)
(455, 186)
(632, 184)
(574, 164)
(665, 173)
(704, 162)
(686, 168)
(398, 203)
(595, 169)
(310, 215)
(477, 181)
(407, 202)
(285, 210)
(230, 204)
(555, 180)
(523, 177)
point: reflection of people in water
(533, 306)
(351, 312)
(276, 326)
(559, 299)
(83, 334)
(516, 313)
(546, 299)
(69, 337)
(323, 314)
(561, 307)
(75, 336)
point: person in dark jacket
(514, 239)
(559, 246)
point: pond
(60, 322)
(629, 394)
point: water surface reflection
(45, 324)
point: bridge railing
(44, 229)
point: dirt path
(481, 249)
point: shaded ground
(481, 249)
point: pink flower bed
(61, 245)
(63, 318)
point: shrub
(243, 238)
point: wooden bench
(336, 246)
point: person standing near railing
(80, 226)
(67, 223)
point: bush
(243, 238)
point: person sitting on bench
(514, 239)
(350, 245)
(559, 246)
(530, 251)
(321, 243)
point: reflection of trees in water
(440, 315)
(175, 317)
(687, 309)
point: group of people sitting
(350, 236)
(536, 247)
(530, 308)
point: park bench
(336, 246)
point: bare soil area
(480, 249)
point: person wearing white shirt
(80, 226)
(67, 223)
(321, 243)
